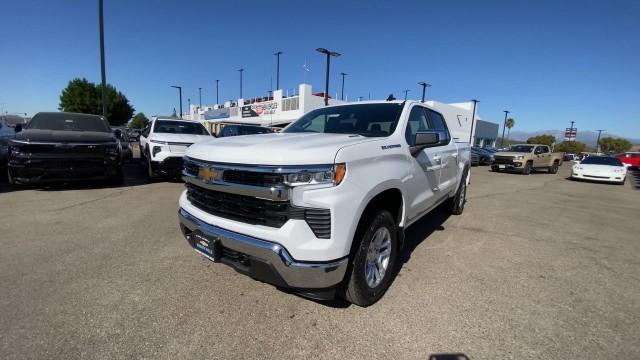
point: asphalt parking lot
(537, 267)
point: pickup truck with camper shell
(64, 146)
(525, 158)
(320, 207)
(164, 141)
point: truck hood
(275, 149)
(510, 153)
(180, 138)
(37, 135)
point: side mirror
(424, 140)
(18, 128)
(118, 133)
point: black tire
(495, 168)
(455, 205)
(356, 289)
(526, 170)
(118, 178)
(554, 168)
(151, 174)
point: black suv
(60, 146)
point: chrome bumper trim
(300, 275)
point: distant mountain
(587, 137)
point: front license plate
(501, 166)
(205, 246)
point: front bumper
(169, 166)
(42, 170)
(506, 165)
(617, 178)
(264, 260)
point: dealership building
(280, 109)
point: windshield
(179, 127)
(521, 148)
(68, 122)
(235, 130)
(602, 160)
(371, 120)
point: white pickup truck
(320, 208)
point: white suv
(164, 141)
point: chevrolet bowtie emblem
(208, 174)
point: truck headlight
(518, 157)
(111, 150)
(333, 174)
(156, 150)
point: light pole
(102, 71)
(180, 96)
(277, 54)
(504, 125)
(406, 92)
(598, 141)
(200, 95)
(342, 93)
(473, 121)
(189, 106)
(424, 88)
(217, 101)
(326, 81)
(241, 71)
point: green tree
(615, 145)
(139, 121)
(542, 139)
(83, 96)
(574, 147)
(511, 122)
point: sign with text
(570, 134)
(258, 109)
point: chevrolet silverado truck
(63, 146)
(163, 143)
(524, 158)
(320, 207)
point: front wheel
(527, 169)
(374, 261)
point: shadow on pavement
(448, 356)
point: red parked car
(630, 158)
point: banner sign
(217, 114)
(259, 109)
(570, 134)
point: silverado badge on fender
(208, 174)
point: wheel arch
(390, 199)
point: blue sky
(549, 62)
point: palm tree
(509, 123)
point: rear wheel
(374, 261)
(456, 203)
(527, 169)
(553, 169)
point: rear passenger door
(448, 152)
